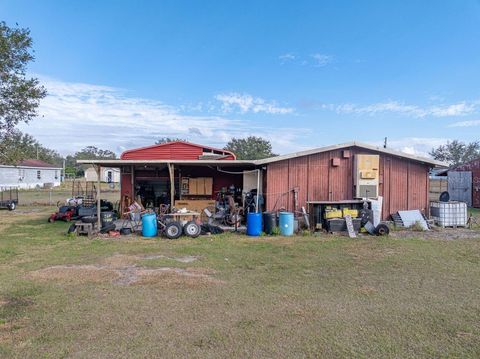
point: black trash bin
(269, 222)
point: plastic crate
(352, 212)
(333, 213)
(339, 224)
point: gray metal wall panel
(460, 186)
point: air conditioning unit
(366, 176)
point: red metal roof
(36, 163)
(178, 150)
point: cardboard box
(208, 186)
(192, 186)
(202, 186)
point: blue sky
(300, 73)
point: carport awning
(121, 163)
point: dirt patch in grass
(119, 261)
(186, 259)
(75, 274)
(123, 260)
(172, 278)
(121, 269)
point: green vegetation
(234, 296)
(250, 148)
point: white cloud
(74, 115)
(471, 123)
(458, 109)
(321, 60)
(314, 60)
(419, 146)
(288, 57)
(247, 103)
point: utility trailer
(8, 198)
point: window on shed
(39, 174)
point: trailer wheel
(192, 229)
(12, 206)
(382, 230)
(173, 230)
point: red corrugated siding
(417, 186)
(340, 177)
(298, 178)
(403, 183)
(168, 151)
(318, 177)
(277, 186)
(398, 184)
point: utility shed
(464, 183)
(329, 174)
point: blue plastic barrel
(149, 225)
(254, 224)
(286, 223)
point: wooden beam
(99, 171)
(132, 180)
(172, 184)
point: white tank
(449, 214)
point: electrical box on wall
(366, 175)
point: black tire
(89, 219)
(72, 228)
(382, 230)
(107, 228)
(173, 230)
(125, 231)
(191, 229)
(12, 206)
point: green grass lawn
(234, 296)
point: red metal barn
(472, 170)
(327, 174)
(286, 182)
